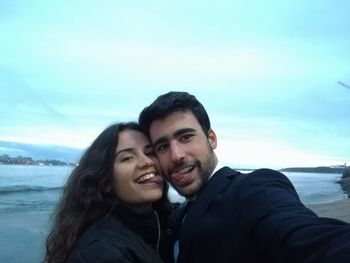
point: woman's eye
(127, 158)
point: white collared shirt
(217, 168)
(176, 245)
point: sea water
(37, 188)
(316, 187)
(29, 194)
(31, 188)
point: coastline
(27, 232)
(345, 185)
(339, 209)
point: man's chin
(189, 192)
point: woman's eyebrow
(148, 146)
(123, 150)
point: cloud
(22, 103)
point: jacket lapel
(219, 180)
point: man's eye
(150, 154)
(186, 137)
(161, 147)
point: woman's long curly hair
(84, 200)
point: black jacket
(123, 236)
(258, 217)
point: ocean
(37, 188)
(29, 194)
(317, 188)
(31, 188)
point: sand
(338, 209)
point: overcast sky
(267, 72)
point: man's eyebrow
(159, 141)
(182, 131)
(148, 146)
(176, 134)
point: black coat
(258, 217)
(123, 236)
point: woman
(113, 202)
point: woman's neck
(139, 209)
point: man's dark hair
(174, 101)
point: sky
(266, 71)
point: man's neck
(217, 167)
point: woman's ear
(107, 189)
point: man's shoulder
(255, 178)
(266, 173)
(227, 172)
(262, 172)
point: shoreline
(27, 231)
(345, 185)
(338, 209)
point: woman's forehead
(132, 139)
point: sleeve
(288, 231)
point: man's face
(184, 151)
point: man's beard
(204, 172)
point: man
(235, 217)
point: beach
(28, 195)
(338, 209)
(23, 234)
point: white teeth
(185, 169)
(145, 177)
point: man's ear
(212, 139)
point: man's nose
(177, 152)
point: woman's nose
(146, 161)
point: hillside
(322, 169)
(40, 151)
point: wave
(15, 189)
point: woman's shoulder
(108, 231)
(112, 241)
(106, 239)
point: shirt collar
(217, 168)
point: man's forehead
(173, 120)
(172, 124)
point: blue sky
(267, 72)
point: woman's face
(136, 181)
